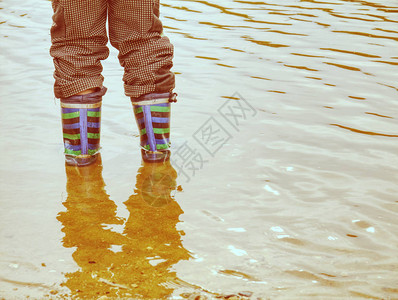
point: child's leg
(79, 38)
(136, 31)
(146, 55)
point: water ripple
(300, 201)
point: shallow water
(284, 176)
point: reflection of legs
(79, 40)
(154, 242)
(89, 212)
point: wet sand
(288, 111)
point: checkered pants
(79, 39)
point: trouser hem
(91, 98)
(135, 92)
(72, 88)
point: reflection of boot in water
(154, 243)
(156, 183)
(136, 263)
(88, 212)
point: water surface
(284, 178)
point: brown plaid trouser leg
(79, 39)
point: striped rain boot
(81, 124)
(152, 113)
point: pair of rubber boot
(81, 124)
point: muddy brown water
(284, 178)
